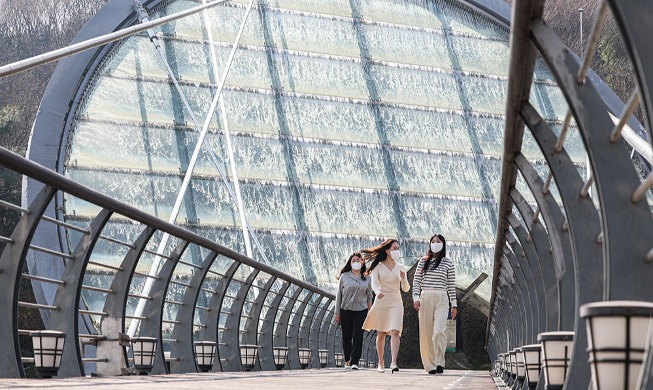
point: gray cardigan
(353, 293)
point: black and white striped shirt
(442, 278)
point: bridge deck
(268, 380)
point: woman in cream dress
(387, 313)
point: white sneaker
(354, 367)
(380, 369)
(347, 367)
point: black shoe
(432, 372)
(394, 369)
(439, 369)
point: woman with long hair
(353, 299)
(387, 313)
(434, 288)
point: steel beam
(266, 338)
(529, 282)
(115, 306)
(183, 349)
(153, 309)
(533, 269)
(67, 299)
(627, 226)
(584, 228)
(295, 332)
(542, 246)
(212, 331)
(11, 269)
(313, 331)
(230, 351)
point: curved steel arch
(181, 348)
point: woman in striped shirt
(434, 287)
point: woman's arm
(451, 284)
(374, 281)
(338, 299)
(405, 285)
(417, 280)
(369, 294)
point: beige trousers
(433, 312)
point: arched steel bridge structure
(591, 241)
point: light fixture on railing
(521, 368)
(304, 357)
(513, 367)
(340, 359)
(143, 350)
(280, 357)
(499, 370)
(248, 354)
(48, 350)
(556, 352)
(533, 363)
(362, 363)
(502, 365)
(324, 357)
(617, 333)
(205, 355)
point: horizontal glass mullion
(142, 148)
(326, 164)
(327, 7)
(224, 22)
(348, 212)
(400, 12)
(485, 94)
(441, 174)
(297, 32)
(460, 220)
(481, 55)
(406, 46)
(415, 87)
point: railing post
(67, 299)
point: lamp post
(280, 357)
(556, 352)
(340, 359)
(248, 354)
(617, 335)
(533, 363)
(521, 368)
(304, 356)
(324, 357)
(48, 349)
(205, 354)
(143, 349)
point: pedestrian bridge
(301, 379)
(566, 238)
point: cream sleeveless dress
(387, 313)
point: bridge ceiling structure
(574, 233)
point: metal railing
(550, 260)
(318, 332)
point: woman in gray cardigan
(353, 299)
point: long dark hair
(377, 254)
(435, 258)
(347, 266)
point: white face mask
(395, 254)
(356, 266)
(436, 247)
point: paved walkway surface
(336, 378)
